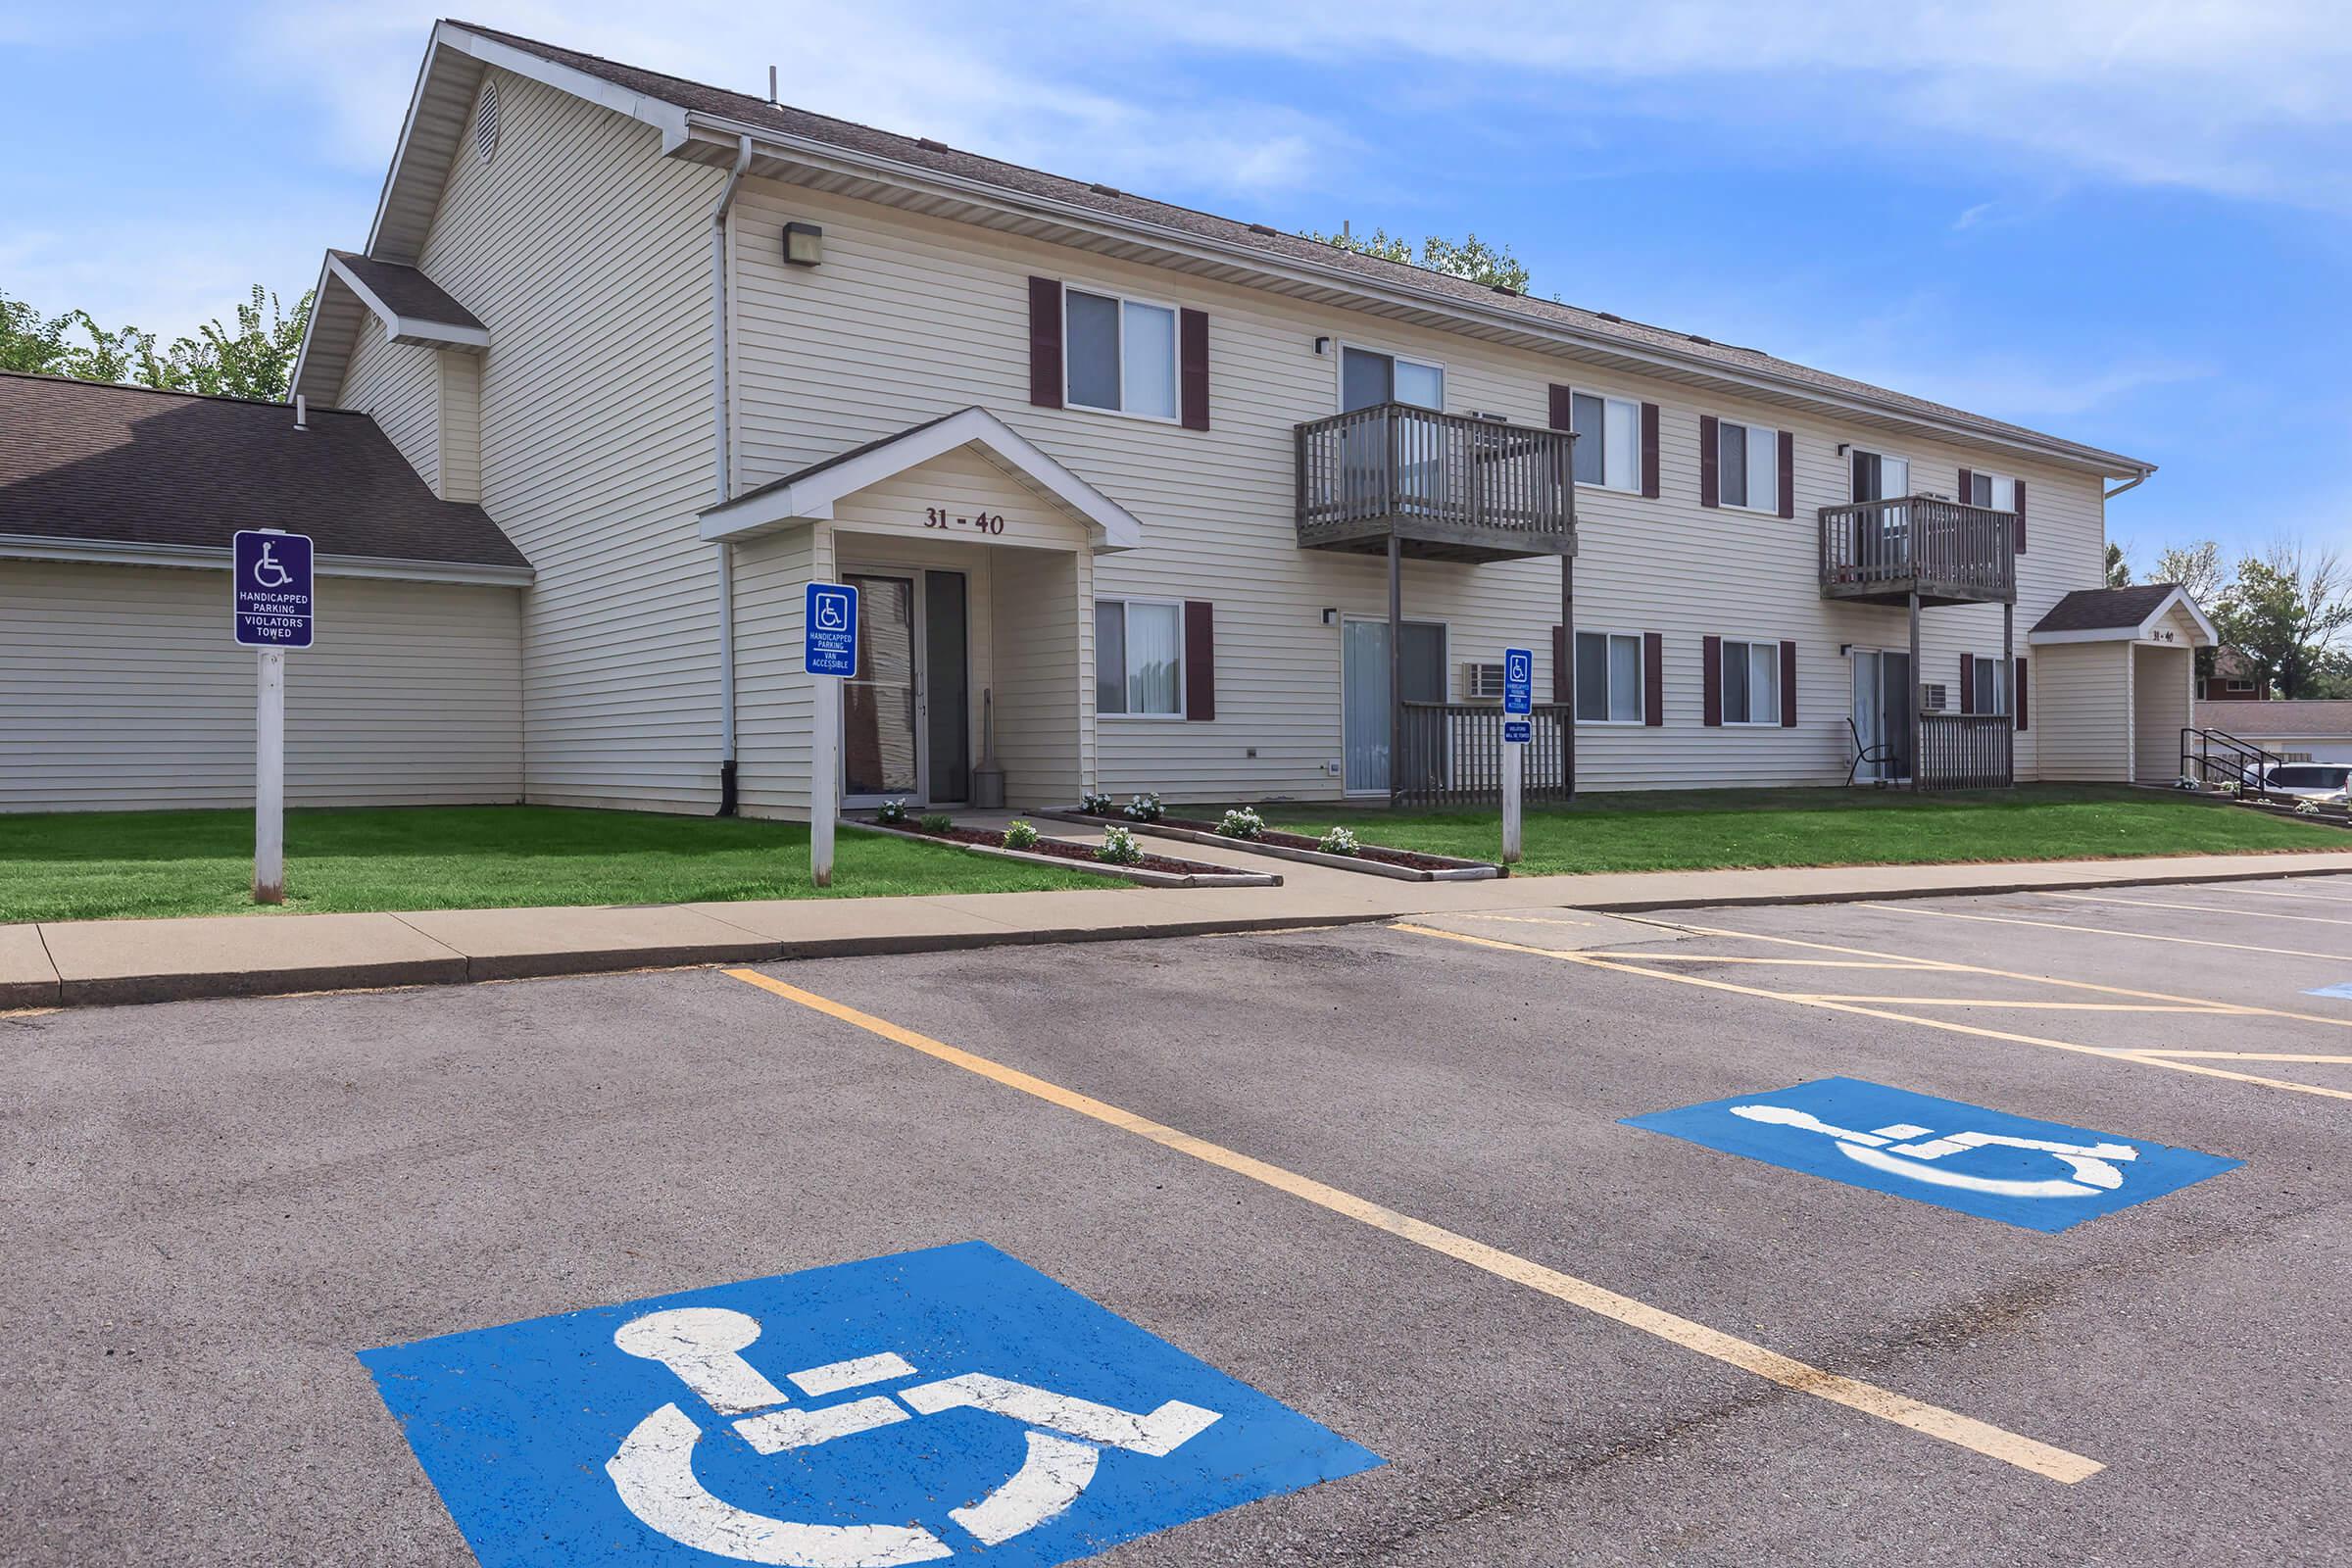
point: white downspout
(722, 478)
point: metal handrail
(2237, 761)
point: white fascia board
(812, 497)
(824, 156)
(309, 324)
(665, 117)
(201, 558)
(408, 328)
(2206, 637)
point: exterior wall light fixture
(804, 244)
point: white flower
(1339, 841)
(1242, 824)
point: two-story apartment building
(1140, 498)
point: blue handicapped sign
(2039, 1175)
(905, 1409)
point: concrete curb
(1453, 872)
(1968, 890)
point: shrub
(1339, 841)
(1019, 835)
(2307, 807)
(937, 821)
(1093, 804)
(1242, 824)
(1120, 848)
(2185, 782)
(2228, 786)
(1143, 808)
(891, 811)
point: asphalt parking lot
(1377, 1174)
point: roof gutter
(2132, 483)
(722, 476)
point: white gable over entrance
(810, 495)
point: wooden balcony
(1447, 487)
(1966, 752)
(1882, 552)
(1451, 754)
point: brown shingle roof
(925, 154)
(408, 291)
(119, 465)
(2105, 608)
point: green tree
(30, 341)
(1471, 258)
(252, 360)
(2119, 567)
(2195, 566)
(2284, 613)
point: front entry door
(1364, 693)
(1882, 709)
(881, 739)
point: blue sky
(2126, 223)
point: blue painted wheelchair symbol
(941, 1403)
(2040, 1175)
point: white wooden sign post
(829, 654)
(1518, 729)
(271, 609)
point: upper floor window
(1994, 490)
(1752, 683)
(1879, 477)
(1368, 377)
(1120, 353)
(1608, 440)
(1747, 466)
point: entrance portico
(974, 554)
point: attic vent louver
(928, 145)
(1106, 191)
(485, 123)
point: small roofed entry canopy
(2138, 613)
(811, 494)
(413, 307)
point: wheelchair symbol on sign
(832, 612)
(654, 1469)
(1884, 1149)
(267, 571)
(1522, 667)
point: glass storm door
(1364, 692)
(1883, 710)
(881, 751)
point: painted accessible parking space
(2041, 1175)
(913, 1408)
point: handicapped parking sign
(1518, 681)
(914, 1408)
(830, 629)
(2040, 1175)
(270, 588)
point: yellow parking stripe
(2242, 1056)
(2273, 893)
(2200, 909)
(2027, 1454)
(2109, 1052)
(1801, 964)
(2102, 931)
(2008, 1001)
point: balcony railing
(1451, 754)
(1447, 486)
(1966, 752)
(1947, 552)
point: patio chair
(1881, 754)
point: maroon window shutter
(1710, 457)
(1968, 683)
(1563, 407)
(1711, 703)
(2020, 686)
(1788, 467)
(1563, 678)
(1044, 342)
(1653, 679)
(1199, 659)
(1788, 685)
(1192, 378)
(1650, 450)
(2021, 517)
(1968, 488)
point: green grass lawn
(1681, 830)
(95, 865)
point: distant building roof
(94, 464)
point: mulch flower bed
(1298, 840)
(1062, 849)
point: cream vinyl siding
(1044, 673)
(2162, 697)
(399, 386)
(120, 690)
(587, 254)
(461, 426)
(2081, 712)
(774, 705)
(910, 318)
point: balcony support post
(1396, 666)
(1918, 728)
(1564, 679)
(2009, 681)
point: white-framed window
(1608, 440)
(1139, 657)
(1747, 466)
(1608, 678)
(2236, 685)
(1118, 355)
(1369, 377)
(1997, 491)
(1988, 693)
(1876, 477)
(1752, 683)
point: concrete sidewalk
(101, 961)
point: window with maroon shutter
(1711, 682)
(1044, 342)
(1650, 450)
(1710, 459)
(1967, 493)
(1192, 343)
(1653, 679)
(1788, 685)
(1787, 474)
(1199, 660)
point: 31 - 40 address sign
(978, 522)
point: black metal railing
(1393, 461)
(2213, 757)
(1939, 547)
(1966, 752)
(1451, 754)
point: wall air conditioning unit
(1933, 698)
(1481, 682)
